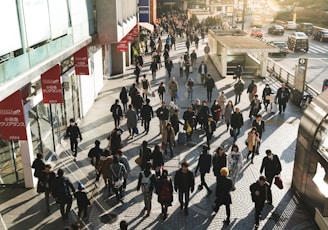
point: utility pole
(244, 10)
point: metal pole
(244, 9)
(52, 128)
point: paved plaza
(25, 209)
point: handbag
(138, 160)
(119, 182)
(40, 187)
(78, 140)
(188, 129)
(278, 182)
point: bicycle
(305, 101)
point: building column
(117, 60)
(264, 64)
(224, 64)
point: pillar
(224, 64)
(117, 60)
(264, 64)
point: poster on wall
(122, 46)
(51, 86)
(12, 120)
(81, 62)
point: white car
(290, 25)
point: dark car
(282, 46)
(321, 35)
(305, 27)
(276, 29)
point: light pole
(244, 10)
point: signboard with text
(51, 86)
(122, 46)
(144, 14)
(81, 62)
(135, 31)
(12, 120)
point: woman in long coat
(228, 111)
(252, 142)
(235, 164)
(168, 138)
(165, 192)
(158, 161)
(223, 197)
(222, 100)
(173, 88)
(103, 166)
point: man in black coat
(272, 166)
(189, 117)
(223, 188)
(174, 119)
(282, 97)
(163, 115)
(146, 114)
(209, 85)
(202, 70)
(48, 179)
(260, 191)
(219, 161)
(117, 113)
(204, 165)
(74, 134)
(258, 123)
(184, 181)
(209, 127)
(237, 121)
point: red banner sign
(81, 62)
(129, 37)
(135, 31)
(12, 120)
(51, 86)
(122, 46)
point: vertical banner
(135, 31)
(122, 46)
(81, 62)
(12, 120)
(51, 86)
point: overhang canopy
(147, 26)
(244, 44)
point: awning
(147, 26)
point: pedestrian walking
(138, 103)
(204, 166)
(82, 201)
(124, 98)
(260, 192)
(168, 138)
(145, 87)
(38, 165)
(223, 197)
(228, 110)
(133, 93)
(187, 67)
(169, 66)
(131, 121)
(188, 44)
(173, 88)
(115, 140)
(117, 114)
(147, 183)
(184, 183)
(235, 164)
(181, 66)
(174, 119)
(117, 173)
(252, 143)
(161, 90)
(145, 154)
(238, 89)
(251, 90)
(48, 180)
(158, 161)
(266, 96)
(62, 194)
(222, 99)
(207, 51)
(282, 97)
(255, 107)
(237, 121)
(172, 108)
(202, 70)
(216, 111)
(259, 124)
(189, 119)
(95, 153)
(146, 114)
(163, 116)
(271, 166)
(209, 85)
(137, 71)
(209, 127)
(238, 71)
(219, 161)
(203, 113)
(196, 108)
(153, 69)
(193, 58)
(165, 192)
(103, 168)
(190, 88)
(124, 160)
(74, 134)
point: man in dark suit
(209, 127)
(272, 166)
(204, 165)
(282, 97)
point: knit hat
(80, 186)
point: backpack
(165, 193)
(145, 84)
(145, 182)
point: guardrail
(277, 71)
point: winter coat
(222, 100)
(145, 153)
(147, 112)
(271, 167)
(239, 88)
(157, 158)
(227, 113)
(165, 134)
(219, 162)
(237, 120)
(103, 166)
(178, 184)
(204, 163)
(131, 118)
(252, 140)
(124, 97)
(162, 113)
(223, 188)
(160, 185)
(173, 87)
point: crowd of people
(134, 105)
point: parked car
(276, 29)
(305, 27)
(290, 25)
(321, 35)
(298, 41)
(256, 21)
(282, 46)
(257, 32)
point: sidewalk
(25, 209)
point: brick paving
(105, 213)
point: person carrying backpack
(117, 113)
(117, 173)
(147, 183)
(165, 192)
(62, 193)
(82, 201)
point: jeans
(203, 182)
(170, 144)
(236, 132)
(258, 209)
(208, 138)
(118, 192)
(117, 121)
(237, 99)
(186, 195)
(84, 210)
(146, 125)
(209, 95)
(68, 204)
(147, 200)
(74, 146)
(190, 91)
